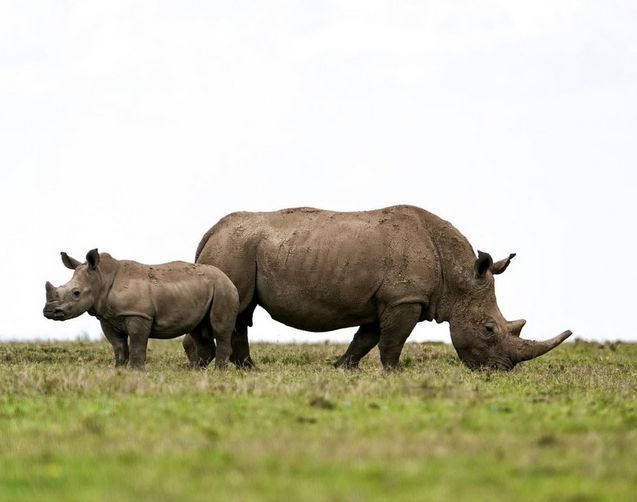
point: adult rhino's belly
(305, 312)
(314, 301)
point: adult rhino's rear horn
(515, 327)
(524, 350)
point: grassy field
(73, 428)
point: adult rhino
(382, 270)
(137, 302)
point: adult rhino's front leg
(365, 339)
(396, 324)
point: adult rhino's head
(481, 335)
(78, 295)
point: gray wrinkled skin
(138, 302)
(382, 270)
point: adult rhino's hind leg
(396, 324)
(365, 339)
(204, 343)
(240, 347)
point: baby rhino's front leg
(119, 342)
(138, 330)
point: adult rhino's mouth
(504, 362)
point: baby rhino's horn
(51, 292)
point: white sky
(133, 126)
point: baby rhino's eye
(76, 293)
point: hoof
(346, 364)
(244, 364)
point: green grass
(73, 428)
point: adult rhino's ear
(69, 262)
(93, 259)
(482, 264)
(500, 266)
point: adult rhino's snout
(506, 351)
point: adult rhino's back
(241, 229)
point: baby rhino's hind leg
(190, 349)
(223, 316)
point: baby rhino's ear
(69, 262)
(93, 259)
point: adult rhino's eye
(489, 329)
(76, 293)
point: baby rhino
(139, 302)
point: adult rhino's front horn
(524, 350)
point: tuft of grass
(72, 427)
